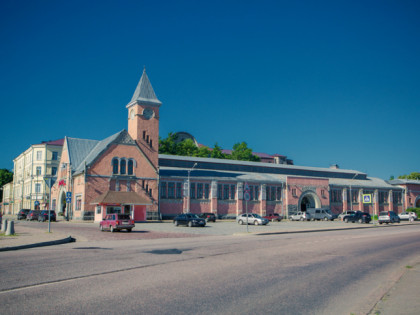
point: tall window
(53, 171)
(171, 190)
(115, 166)
(55, 156)
(78, 202)
(219, 191)
(130, 167)
(225, 191)
(38, 170)
(206, 191)
(232, 191)
(37, 187)
(163, 190)
(38, 155)
(199, 191)
(122, 167)
(192, 191)
(178, 190)
(278, 193)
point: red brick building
(125, 173)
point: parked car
(116, 222)
(345, 213)
(408, 215)
(300, 216)
(33, 215)
(252, 218)
(229, 216)
(320, 214)
(358, 216)
(43, 216)
(208, 216)
(273, 217)
(189, 219)
(388, 217)
(22, 214)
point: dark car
(274, 217)
(358, 216)
(208, 216)
(33, 215)
(43, 216)
(22, 214)
(388, 217)
(116, 222)
(189, 219)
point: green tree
(243, 153)
(414, 175)
(6, 176)
(217, 153)
(391, 177)
(168, 145)
(187, 148)
(203, 152)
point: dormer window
(123, 166)
(115, 166)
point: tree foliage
(414, 175)
(6, 176)
(187, 147)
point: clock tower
(143, 119)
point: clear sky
(321, 82)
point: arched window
(115, 166)
(122, 167)
(130, 167)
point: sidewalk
(27, 237)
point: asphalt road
(339, 272)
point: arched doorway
(417, 203)
(62, 205)
(309, 199)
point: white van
(320, 214)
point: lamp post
(189, 187)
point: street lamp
(189, 187)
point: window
(219, 191)
(232, 192)
(225, 192)
(171, 190)
(122, 167)
(199, 191)
(98, 209)
(53, 171)
(336, 195)
(178, 190)
(192, 191)
(396, 196)
(38, 155)
(37, 187)
(163, 190)
(278, 193)
(383, 197)
(206, 191)
(38, 170)
(55, 156)
(273, 193)
(130, 167)
(78, 202)
(294, 192)
(115, 166)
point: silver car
(408, 216)
(251, 219)
(300, 216)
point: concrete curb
(66, 240)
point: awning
(122, 197)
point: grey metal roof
(257, 167)
(144, 92)
(370, 182)
(403, 181)
(78, 149)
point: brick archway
(309, 199)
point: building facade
(33, 171)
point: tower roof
(144, 93)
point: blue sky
(322, 82)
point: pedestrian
(411, 217)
